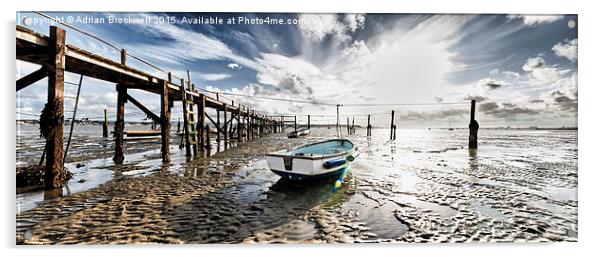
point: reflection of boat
(322, 159)
(298, 133)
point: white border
(589, 131)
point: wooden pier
(56, 57)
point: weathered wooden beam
(165, 123)
(143, 108)
(55, 174)
(31, 78)
(216, 124)
(120, 124)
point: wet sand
(519, 186)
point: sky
(521, 69)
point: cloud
(477, 98)
(234, 66)
(566, 49)
(534, 63)
(316, 27)
(534, 20)
(215, 76)
(506, 110)
(491, 84)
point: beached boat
(322, 159)
(298, 133)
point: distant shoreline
(98, 122)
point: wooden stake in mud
(165, 122)
(105, 126)
(208, 139)
(392, 136)
(120, 124)
(369, 128)
(308, 121)
(54, 170)
(473, 127)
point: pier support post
(218, 127)
(165, 122)
(120, 124)
(226, 126)
(239, 124)
(201, 123)
(54, 170)
(208, 140)
(473, 127)
(105, 126)
(248, 125)
(392, 136)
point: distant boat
(298, 133)
(322, 159)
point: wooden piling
(225, 126)
(348, 128)
(105, 126)
(308, 121)
(248, 125)
(201, 122)
(165, 123)
(392, 135)
(54, 169)
(239, 124)
(120, 124)
(208, 139)
(473, 127)
(295, 122)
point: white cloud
(566, 49)
(355, 21)
(318, 26)
(534, 20)
(234, 66)
(534, 63)
(215, 76)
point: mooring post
(105, 126)
(368, 128)
(201, 123)
(473, 127)
(225, 105)
(54, 171)
(392, 136)
(353, 125)
(282, 128)
(295, 122)
(165, 122)
(348, 128)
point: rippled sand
(520, 186)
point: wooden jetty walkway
(56, 57)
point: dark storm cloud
(493, 84)
(487, 107)
(564, 101)
(415, 115)
(507, 110)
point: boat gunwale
(315, 157)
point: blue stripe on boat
(333, 163)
